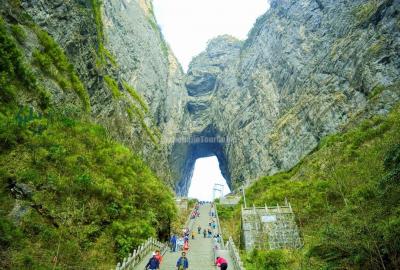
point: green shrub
(92, 197)
(19, 33)
(53, 62)
(377, 48)
(96, 8)
(135, 113)
(112, 86)
(364, 11)
(9, 233)
(376, 91)
(103, 55)
(136, 96)
(15, 74)
(274, 260)
(345, 197)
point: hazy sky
(206, 174)
(187, 25)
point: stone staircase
(202, 253)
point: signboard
(268, 218)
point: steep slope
(302, 74)
(134, 81)
(346, 198)
(70, 195)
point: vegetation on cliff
(70, 196)
(84, 200)
(346, 198)
(53, 62)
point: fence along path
(201, 254)
(137, 256)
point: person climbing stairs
(200, 254)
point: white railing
(230, 246)
(189, 221)
(140, 253)
(233, 251)
(143, 250)
(219, 227)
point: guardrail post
(129, 261)
(134, 254)
(124, 263)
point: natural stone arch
(185, 153)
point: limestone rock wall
(307, 68)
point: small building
(270, 227)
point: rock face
(259, 105)
(120, 40)
(145, 60)
(302, 74)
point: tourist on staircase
(172, 242)
(209, 233)
(182, 263)
(153, 263)
(221, 263)
(179, 243)
(186, 246)
(219, 238)
(215, 243)
(159, 256)
(186, 238)
(214, 225)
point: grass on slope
(89, 200)
(54, 63)
(70, 197)
(15, 73)
(346, 198)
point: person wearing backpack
(221, 263)
(153, 263)
(182, 263)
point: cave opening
(206, 174)
(209, 144)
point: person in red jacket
(221, 263)
(186, 246)
(158, 256)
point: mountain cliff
(133, 79)
(84, 175)
(302, 74)
(98, 122)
